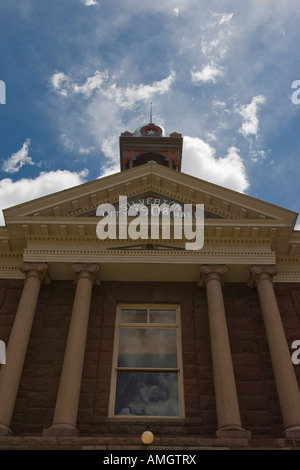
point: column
(286, 382)
(17, 346)
(66, 409)
(228, 413)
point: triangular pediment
(149, 180)
(150, 200)
(229, 215)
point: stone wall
(259, 405)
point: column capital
(87, 270)
(260, 272)
(38, 270)
(212, 271)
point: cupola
(150, 143)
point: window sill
(155, 420)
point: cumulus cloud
(17, 192)
(200, 161)
(209, 73)
(18, 159)
(249, 116)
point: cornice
(149, 256)
(10, 265)
(11, 272)
(91, 239)
(23, 227)
(287, 275)
(12, 255)
(288, 268)
(216, 231)
(288, 259)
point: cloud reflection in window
(147, 394)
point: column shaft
(286, 382)
(17, 346)
(66, 409)
(228, 414)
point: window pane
(162, 316)
(141, 347)
(147, 394)
(133, 316)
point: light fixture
(147, 436)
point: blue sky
(80, 72)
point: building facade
(112, 324)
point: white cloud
(122, 96)
(200, 161)
(18, 159)
(92, 83)
(224, 18)
(59, 83)
(218, 103)
(214, 20)
(110, 169)
(215, 48)
(86, 150)
(249, 115)
(63, 85)
(89, 3)
(66, 142)
(111, 101)
(209, 73)
(72, 146)
(17, 192)
(208, 46)
(110, 147)
(257, 155)
(131, 94)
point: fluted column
(228, 413)
(66, 409)
(286, 382)
(18, 342)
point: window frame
(179, 369)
